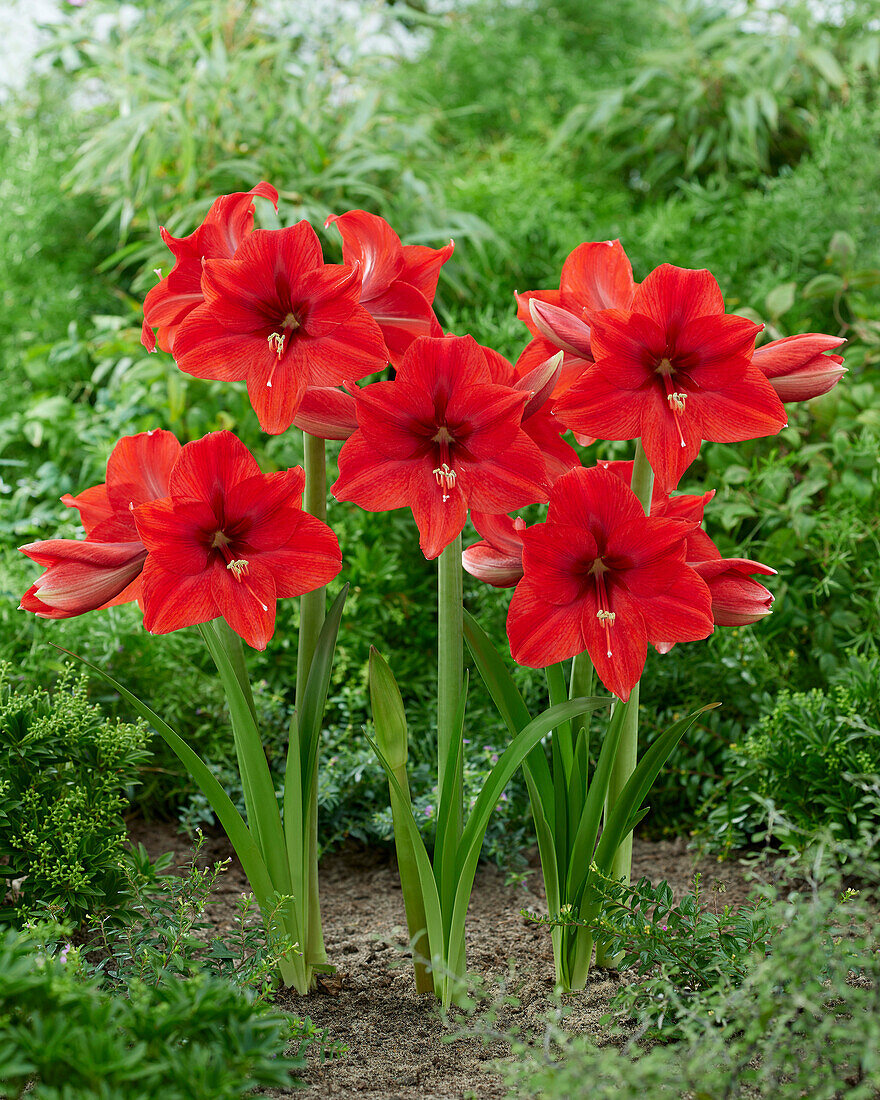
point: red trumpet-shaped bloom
(279, 318)
(228, 541)
(105, 568)
(398, 282)
(737, 599)
(228, 222)
(797, 366)
(597, 275)
(674, 369)
(600, 576)
(439, 439)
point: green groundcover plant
(64, 1035)
(777, 1001)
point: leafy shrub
(162, 929)
(724, 92)
(810, 769)
(194, 1038)
(804, 1021)
(65, 771)
(680, 952)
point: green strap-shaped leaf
(315, 696)
(640, 782)
(472, 839)
(261, 801)
(578, 867)
(239, 835)
(389, 720)
(510, 704)
(430, 896)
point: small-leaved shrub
(65, 774)
(810, 769)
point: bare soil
(397, 1044)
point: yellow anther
(276, 342)
(606, 617)
(676, 401)
(238, 567)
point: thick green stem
(627, 751)
(313, 607)
(450, 665)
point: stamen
(445, 478)
(605, 617)
(238, 567)
(674, 397)
(276, 343)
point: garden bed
(398, 1047)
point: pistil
(675, 398)
(605, 617)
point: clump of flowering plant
(615, 569)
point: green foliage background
(520, 130)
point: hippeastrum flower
(597, 275)
(398, 282)
(105, 568)
(439, 439)
(736, 598)
(229, 541)
(279, 318)
(675, 369)
(601, 576)
(228, 222)
(497, 557)
(797, 366)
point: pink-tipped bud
(798, 367)
(562, 328)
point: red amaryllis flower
(398, 282)
(497, 557)
(104, 569)
(439, 439)
(229, 541)
(601, 576)
(228, 222)
(736, 598)
(595, 276)
(279, 318)
(797, 366)
(674, 370)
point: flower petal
(421, 267)
(247, 603)
(310, 558)
(598, 275)
(209, 467)
(674, 296)
(173, 601)
(541, 634)
(369, 241)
